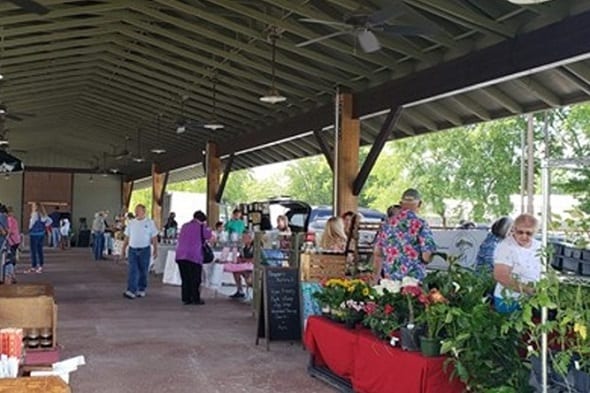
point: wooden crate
(29, 312)
(34, 385)
(316, 267)
(26, 290)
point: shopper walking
(55, 234)
(139, 234)
(98, 228)
(13, 239)
(37, 224)
(189, 256)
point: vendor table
(212, 272)
(158, 264)
(372, 365)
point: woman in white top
(517, 264)
(64, 231)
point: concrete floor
(156, 344)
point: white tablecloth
(158, 265)
(212, 272)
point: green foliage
(144, 197)
(310, 180)
(573, 139)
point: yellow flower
(581, 330)
(351, 288)
(366, 292)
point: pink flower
(412, 290)
(370, 308)
(388, 309)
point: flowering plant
(415, 298)
(345, 297)
(435, 312)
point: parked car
(312, 219)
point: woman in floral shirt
(405, 243)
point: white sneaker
(140, 294)
(129, 295)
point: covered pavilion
(125, 88)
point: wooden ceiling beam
(472, 106)
(378, 59)
(540, 91)
(262, 54)
(439, 109)
(175, 88)
(46, 73)
(463, 15)
(581, 70)
(235, 98)
(43, 28)
(398, 45)
(54, 55)
(51, 38)
(417, 117)
(74, 10)
(319, 58)
(503, 99)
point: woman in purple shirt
(189, 256)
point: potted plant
(434, 317)
(410, 333)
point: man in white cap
(405, 244)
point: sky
(266, 171)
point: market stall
(370, 364)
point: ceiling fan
(16, 116)
(5, 144)
(362, 26)
(30, 6)
(123, 153)
(182, 123)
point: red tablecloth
(373, 366)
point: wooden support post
(325, 148)
(384, 134)
(347, 157)
(226, 172)
(159, 181)
(213, 171)
(126, 191)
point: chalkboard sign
(279, 314)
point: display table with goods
(441, 335)
(370, 364)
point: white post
(522, 168)
(337, 109)
(530, 165)
(545, 229)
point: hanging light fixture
(138, 158)
(273, 96)
(528, 2)
(91, 179)
(104, 172)
(214, 124)
(158, 150)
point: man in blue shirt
(55, 235)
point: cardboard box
(34, 385)
(26, 290)
(29, 306)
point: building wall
(103, 193)
(11, 189)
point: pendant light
(273, 96)
(528, 2)
(214, 124)
(158, 150)
(105, 173)
(138, 158)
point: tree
(476, 164)
(310, 180)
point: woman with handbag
(190, 256)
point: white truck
(183, 204)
